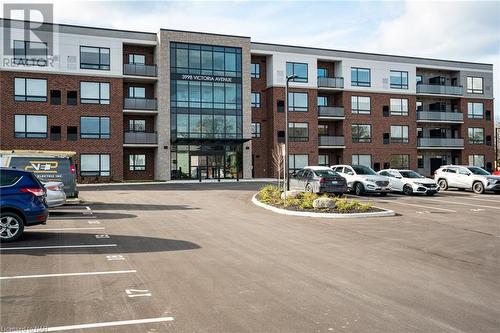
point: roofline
(204, 33)
(370, 53)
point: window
(476, 160)
(322, 129)
(365, 160)
(94, 128)
(419, 79)
(475, 85)
(399, 107)
(136, 92)
(360, 105)
(255, 71)
(30, 53)
(137, 162)
(323, 160)
(72, 133)
(419, 106)
(95, 165)
(297, 161)
(297, 101)
(296, 68)
(399, 80)
(94, 58)
(322, 72)
(94, 92)
(475, 110)
(55, 97)
(256, 131)
(399, 134)
(255, 99)
(55, 133)
(298, 132)
(322, 101)
(400, 161)
(30, 90)
(361, 133)
(29, 126)
(360, 77)
(137, 125)
(420, 161)
(476, 135)
(72, 97)
(138, 59)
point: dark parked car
(22, 203)
(317, 179)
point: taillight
(322, 180)
(54, 187)
(72, 169)
(39, 192)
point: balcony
(139, 70)
(140, 138)
(440, 143)
(331, 112)
(440, 117)
(331, 82)
(145, 104)
(435, 89)
(331, 141)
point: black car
(316, 179)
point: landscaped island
(312, 202)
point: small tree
(278, 163)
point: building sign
(207, 78)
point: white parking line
(461, 203)
(87, 207)
(97, 325)
(54, 247)
(478, 199)
(62, 229)
(407, 204)
(64, 274)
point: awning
(207, 141)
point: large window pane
(298, 69)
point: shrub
(306, 200)
(347, 206)
(270, 194)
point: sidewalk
(187, 181)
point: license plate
(334, 182)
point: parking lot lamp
(287, 176)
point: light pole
(497, 139)
(287, 176)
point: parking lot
(203, 258)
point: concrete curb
(385, 213)
(173, 182)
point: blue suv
(22, 203)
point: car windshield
(410, 174)
(478, 171)
(363, 170)
(326, 173)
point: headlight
(369, 180)
(492, 181)
(417, 183)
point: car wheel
(11, 227)
(478, 187)
(359, 189)
(309, 188)
(443, 184)
(407, 190)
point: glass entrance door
(209, 166)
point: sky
(455, 30)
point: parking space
(202, 258)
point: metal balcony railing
(139, 70)
(440, 142)
(440, 116)
(331, 82)
(331, 111)
(331, 141)
(140, 138)
(439, 89)
(130, 103)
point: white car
(466, 177)
(409, 182)
(55, 194)
(362, 179)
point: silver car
(55, 194)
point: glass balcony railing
(331, 141)
(439, 89)
(331, 82)
(440, 116)
(139, 70)
(331, 111)
(140, 138)
(440, 143)
(130, 103)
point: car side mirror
(399, 177)
(350, 173)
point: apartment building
(177, 105)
